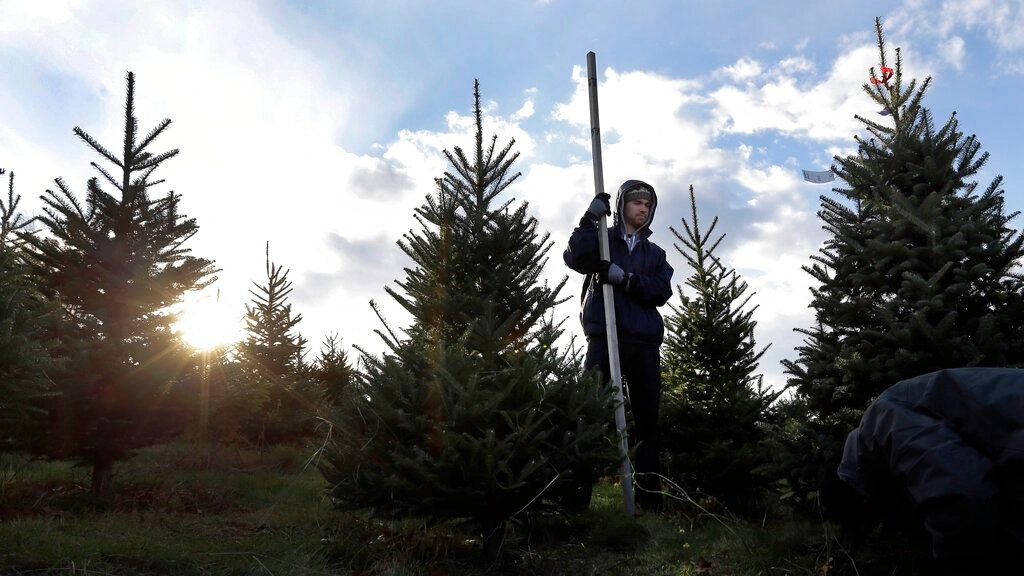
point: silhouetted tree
(332, 370)
(271, 357)
(24, 333)
(117, 265)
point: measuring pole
(609, 297)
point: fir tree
(117, 266)
(271, 357)
(24, 320)
(716, 409)
(332, 370)
(918, 272)
(475, 414)
(12, 222)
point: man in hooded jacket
(642, 281)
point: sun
(205, 323)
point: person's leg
(641, 368)
(597, 357)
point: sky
(311, 131)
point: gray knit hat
(636, 189)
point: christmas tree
(117, 266)
(332, 370)
(475, 414)
(918, 272)
(274, 374)
(715, 408)
(24, 321)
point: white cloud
(1001, 22)
(952, 51)
(744, 69)
(822, 109)
(525, 111)
(32, 15)
(793, 65)
(650, 124)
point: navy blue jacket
(952, 442)
(636, 316)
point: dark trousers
(640, 365)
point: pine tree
(715, 409)
(332, 370)
(12, 222)
(918, 272)
(271, 357)
(475, 414)
(24, 320)
(117, 266)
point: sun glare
(205, 323)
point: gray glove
(599, 206)
(612, 274)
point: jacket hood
(620, 203)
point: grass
(185, 512)
(170, 518)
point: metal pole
(609, 297)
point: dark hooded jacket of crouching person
(641, 280)
(948, 448)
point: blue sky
(319, 126)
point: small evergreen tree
(918, 273)
(24, 320)
(271, 357)
(116, 266)
(716, 410)
(476, 414)
(12, 222)
(332, 370)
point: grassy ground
(182, 511)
